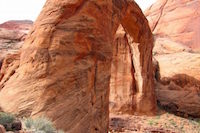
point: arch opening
(65, 64)
(122, 82)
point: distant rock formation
(176, 28)
(23, 25)
(65, 64)
(176, 20)
(12, 35)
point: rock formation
(65, 64)
(12, 35)
(176, 20)
(175, 24)
(179, 88)
(9, 65)
(122, 82)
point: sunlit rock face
(176, 20)
(65, 64)
(175, 24)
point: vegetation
(39, 125)
(6, 118)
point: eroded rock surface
(65, 64)
(122, 82)
(179, 87)
(176, 20)
(175, 24)
(9, 65)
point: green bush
(6, 118)
(28, 123)
(40, 125)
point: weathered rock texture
(122, 82)
(179, 87)
(10, 64)
(176, 20)
(12, 35)
(65, 64)
(175, 24)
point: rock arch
(64, 69)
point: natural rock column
(122, 82)
(141, 41)
(65, 64)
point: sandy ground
(164, 122)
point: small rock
(16, 125)
(2, 129)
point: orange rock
(10, 64)
(65, 64)
(122, 82)
(175, 26)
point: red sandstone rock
(178, 20)
(179, 84)
(65, 64)
(122, 82)
(175, 24)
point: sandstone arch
(65, 64)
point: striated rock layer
(177, 20)
(64, 70)
(175, 24)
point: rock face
(65, 65)
(122, 82)
(12, 35)
(176, 20)
(179, 87)
(175, 24)
(10, 64)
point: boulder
(2, 129)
